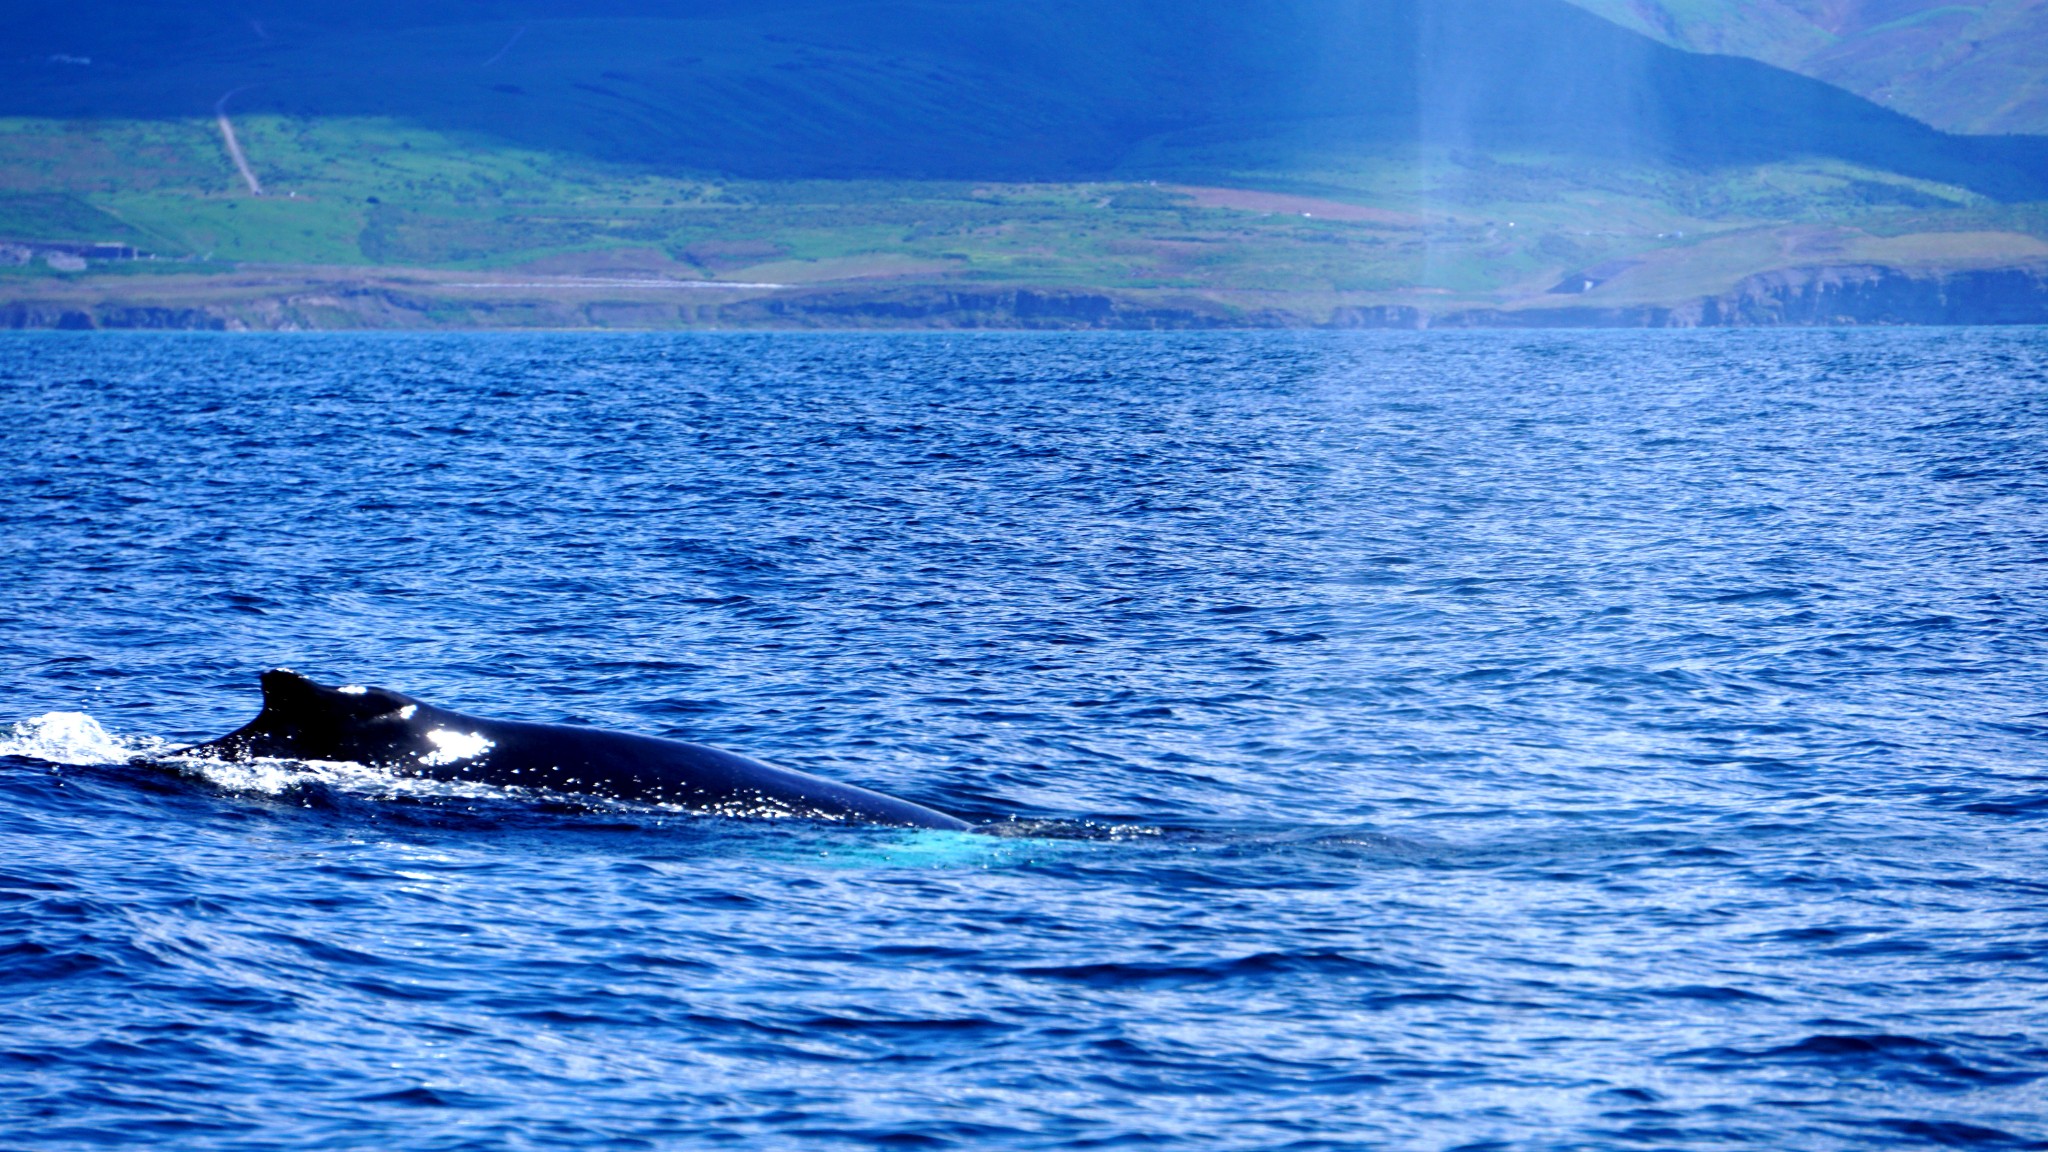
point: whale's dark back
(308, 721)
(625, 766)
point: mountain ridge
(971, 89)
(1970, 68)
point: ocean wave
(1580, 829)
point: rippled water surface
(1412, 741)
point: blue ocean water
(1505, 741)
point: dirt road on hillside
(227, 133)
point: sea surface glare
(1410, 741)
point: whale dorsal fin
(290, 696)
(306, 720)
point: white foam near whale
(72, 738)
(272, 776)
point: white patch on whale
(351, 689)
(450, 746)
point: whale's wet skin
(376, 727)
(1613, 741)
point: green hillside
(1980, 68)
(1450, 230)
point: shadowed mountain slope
(1961, 67)
(1056, 90)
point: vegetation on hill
(1458, 228)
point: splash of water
(73, 738)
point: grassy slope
(375, 195)
(1960, 67)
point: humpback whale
(302, 720)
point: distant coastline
(1819, 295)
